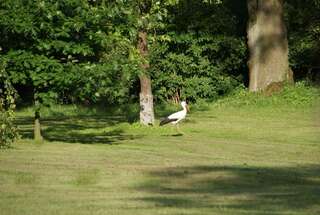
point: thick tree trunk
(268, 45)
(37, 127)
(146, 101)
(146, 97)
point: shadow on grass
(77, 129)
(249, 189)
(177, 135)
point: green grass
(244, 159)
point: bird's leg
(178, 129)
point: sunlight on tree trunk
(268, 45)
(146, 101)
(37, 127)
(146, 97)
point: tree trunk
(268, 45)
(37, 127)
(146, 97)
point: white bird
(175, 118)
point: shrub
(8, 131)
(300, 94)
(194, 67)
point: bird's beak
(187, 107)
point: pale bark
(37, 128)
(146, 97)
(268, 45)
(146, 101)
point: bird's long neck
(184, 108)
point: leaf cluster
(196, 66)
(303, 24)
(69, 50)
(194, 51)
(8, 130)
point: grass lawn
(230, 160)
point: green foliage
(303, 23)
(8, 131)
(194, 54)
(196, 66)
(84, 51)
(79, 51)
(231, 161)
(40, 71)
(96, 82)
(299, 95)
(69, 51)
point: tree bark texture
(268, 44)
(37, 127)
(146, 97)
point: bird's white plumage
(175, 118)
(180, 115)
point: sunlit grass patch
(25, 178)
(86, 177)
(230, 159)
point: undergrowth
(300, 94)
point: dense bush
(303, 24)
(194, 66)
(68, 51)
(292, 96)
(79, 51)
(196, 53)
(8, 131)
